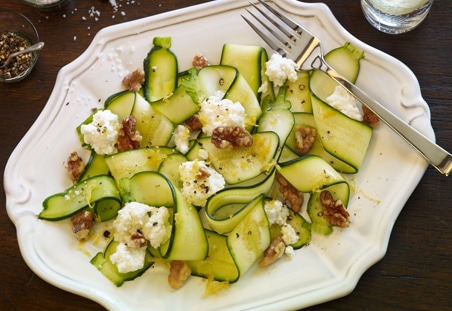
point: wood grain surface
(415, 274)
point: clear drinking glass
(47, 5)
(395, 16)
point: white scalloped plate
(327, 269)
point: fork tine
(280, 27)
(289, 22)
(271, 43)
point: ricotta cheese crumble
(128, 259)
(277, 213)
(345, 103)
(181, 136)
(199, 181)
(279, 69)
(216, 111)
(102, 133)
(152, 222)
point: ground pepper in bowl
(11, 42)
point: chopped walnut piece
(273, 252)
(137, 240)
(179, 272)
(134, 80)
(199, 61)
(202, 173)
(369, 117)
(193, 124)
(81, 223)
(304, 139)
(75, 165)
(128, 136)
(333, 210)
(291, 195)
(231, 137)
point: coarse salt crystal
(114, 5)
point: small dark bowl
(20, 25)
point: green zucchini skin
(129, 163)
(103, 263)
(301, 226)
(315, 211)
(277, 120)
(249, 60)
(96, 166)
(322, 176)
(346, 60)
(219, 263)
(121, 103)
(154, 127)
(170, 168)
(150, 188)
(302, 119)
(343, 138)
(251, 237)
(229, 206)
(232, 164)
(297, 93)
(319, 224)
(177, 107)
(160, 70)
(98, 193)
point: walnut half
(333, 210)
(75, 166)
(128, 136)
(134, 80)
(179, 272)
(193, 124)
(231, 137)
(81, 223)
(273, 252)
(369, 117)
(304, 139)
(291, 196)
(137, 240)
(199, 61)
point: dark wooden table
(415, 274)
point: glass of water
(395, 16)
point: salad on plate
(214, 169)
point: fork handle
(434, 154)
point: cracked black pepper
(11, 42)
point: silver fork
(291, 40)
